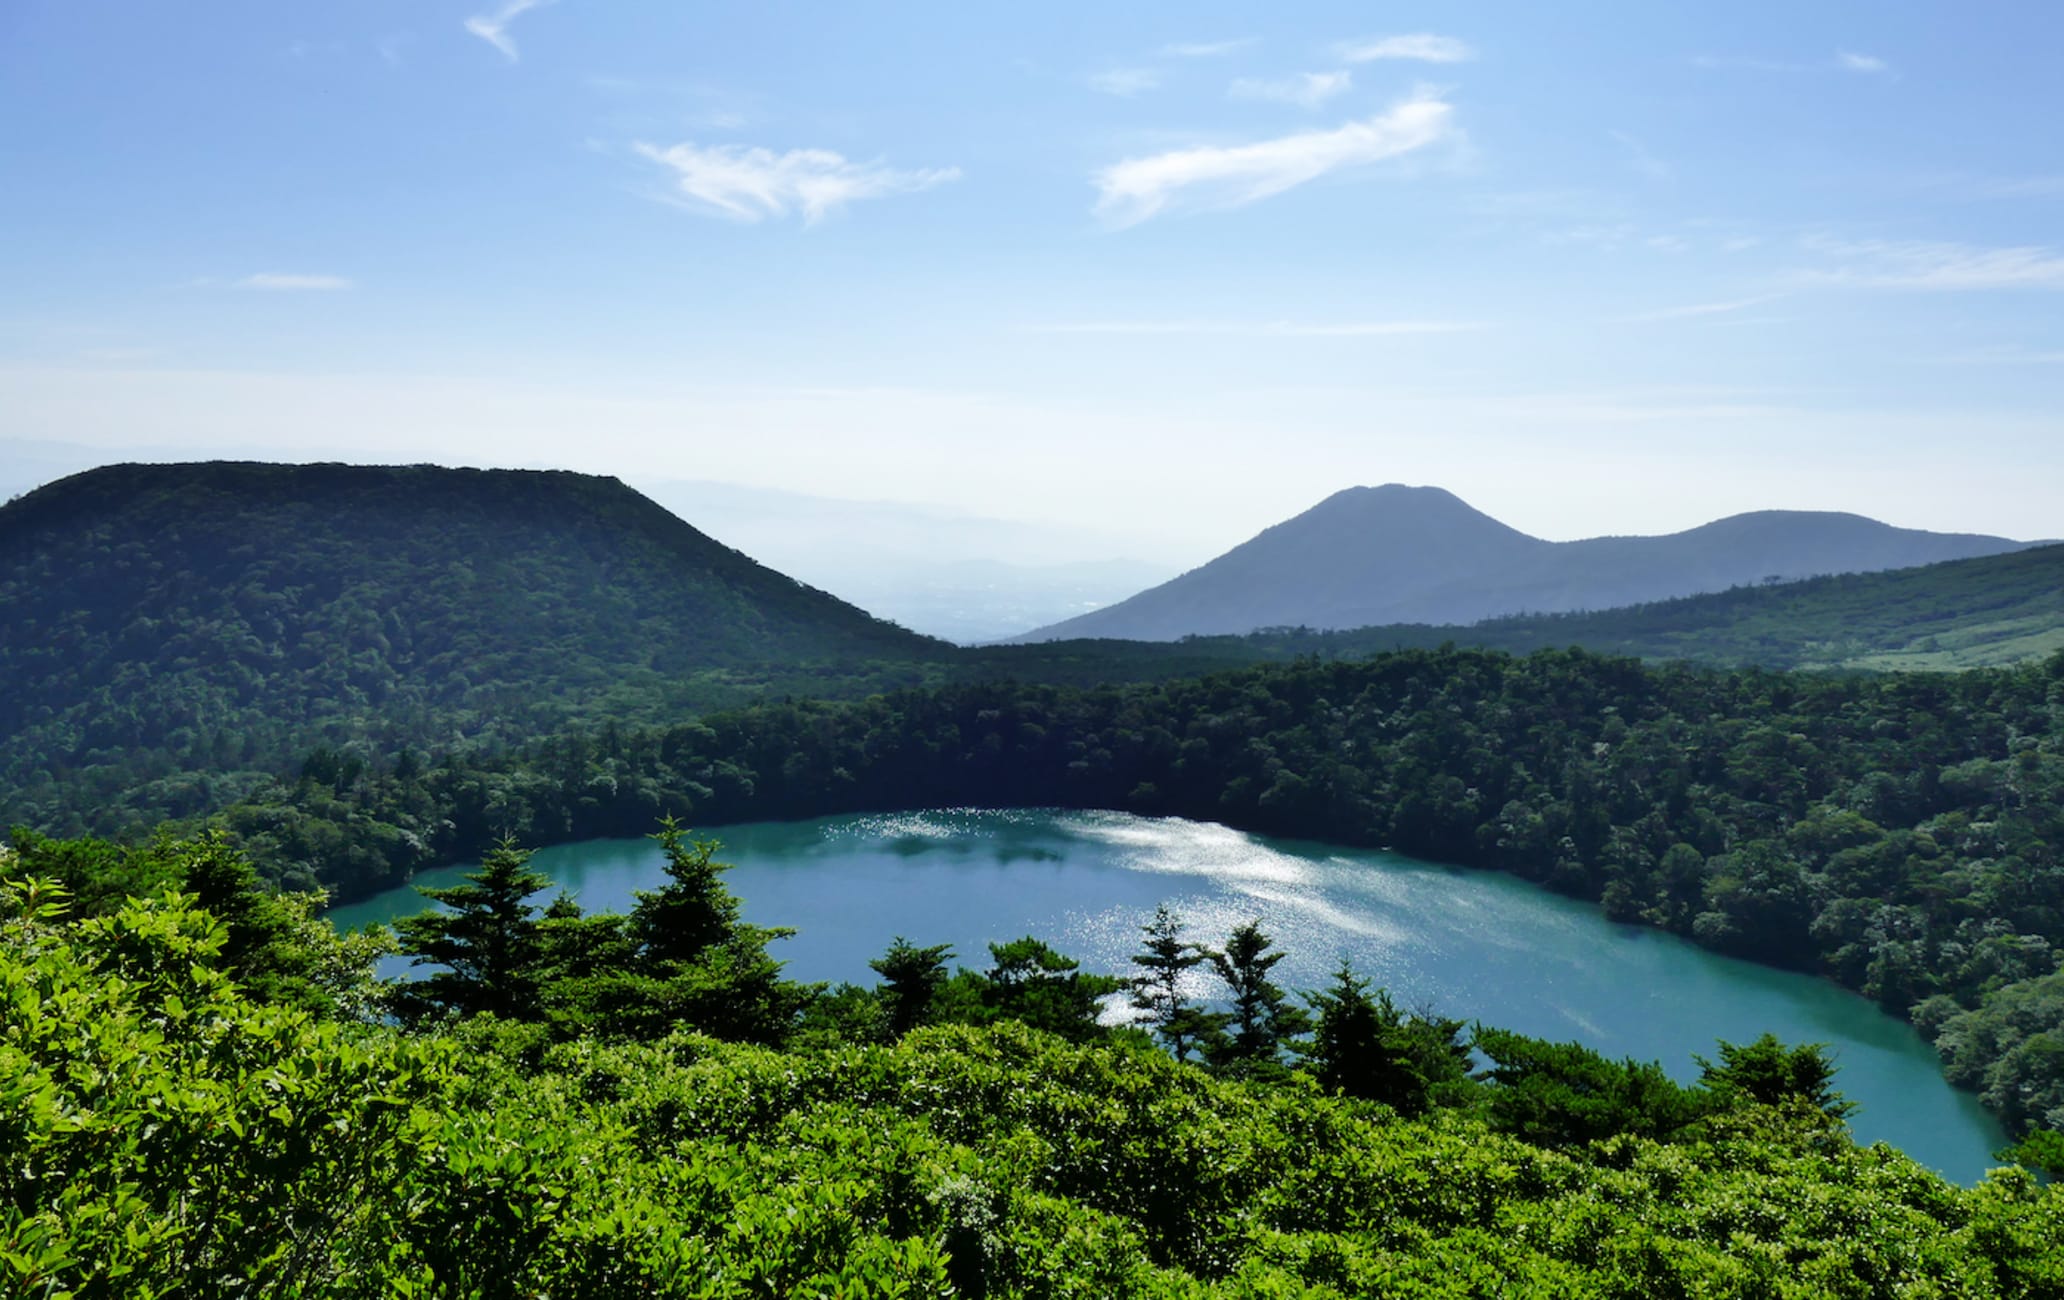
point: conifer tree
(698, 962)
(1348, 1051)
(912, 979)
(1364, 1046)
(580, 963)
(1157, 992)
(1038, 986)
(1262, 1020)
(1768, 1073)
(486, 942)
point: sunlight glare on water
(1468, 944)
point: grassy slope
(1961, 614)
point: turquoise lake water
(1469, 944)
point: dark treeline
(1901, 835)
(208, 1093)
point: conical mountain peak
(1396, 553)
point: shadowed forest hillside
(182, 623)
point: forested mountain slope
(172, 636)
(177, 622)
(1396, 554)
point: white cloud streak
(1126, 82)
(2004, 356)
(2023, 187)
(494, 28)
(1640, 158)
(1265, 329)
(1843, 60)
(1306, 89)
(1424, 47)
(277, 282)
(1744, 63)
(1918, 264)
(1696, 310)
(1203, 49)
(752, 184)
(1136, 189)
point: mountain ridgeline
(178, 624)
(172, 637)
(1396, 554)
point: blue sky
(1176, 271)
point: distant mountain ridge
(174, 636)
(1394, 554)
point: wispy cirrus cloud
(753, 184)
(1424, 47)
(1923, 264)
(2005, 356)
(1203, 49)
(1306, 89)
(494, 27)
(2022, 187)
(1699, 309)
(1975, 187)
(1640, 158)
(1125, 82)
(1842, 61)
(1265, 329)
(281, 282)
(1222, 176)
(1607, 236)
(1746, 63)
(118, 355)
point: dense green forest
(172, 633)
(173, 637)
(204, 1092)
(1902, 835)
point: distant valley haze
(1363, 556)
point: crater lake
(1475, 945)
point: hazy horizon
(1173, 276)
(760, 508)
